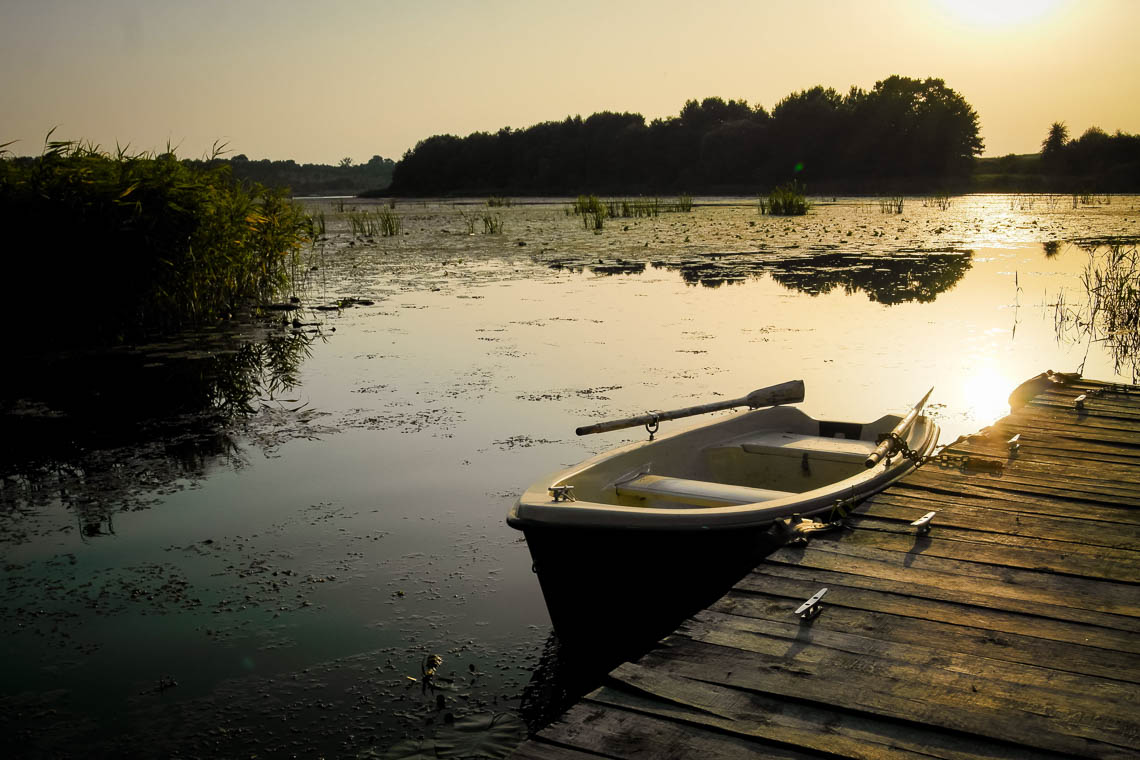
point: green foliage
(133, 243)
(787, 200)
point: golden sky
(320, 80)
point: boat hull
(618, 590)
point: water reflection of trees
(95, 431)
(1106, 308)
(893, 279)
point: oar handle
(900, 430)
(790, 392)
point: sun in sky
(998, 13)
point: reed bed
(128, 244)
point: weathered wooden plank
(960, 703)
(1072, 424)
(790, 722)
(616, 733)
(904, 509)
(1028, 553)
(791, 583)
(1117, 606)
(1013, 503)
(1094, 406)
(963, 634)
(1078, 558)
(950, 479)
(1086, 484)
(1006, 582)
(1048, 446)
(798, 641)
(1059, 455)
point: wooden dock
(1010, 630)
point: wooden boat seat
(848, 450)
(702, 493)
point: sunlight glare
(997, 13)
(986, 395)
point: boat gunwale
(534, 509)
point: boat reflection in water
(632, 541)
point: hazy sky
(322, 79)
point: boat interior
(757, 456)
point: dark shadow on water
(94, 428)
(893, 279)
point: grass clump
(492, 224)
(786, 200)
(891, 205)
(131, 244)
(496, 201)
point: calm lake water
(272, 583)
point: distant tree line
(1096, 161)
(901, 132)
(346, 178)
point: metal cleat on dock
(923, 523)
(810, 609)
(1079, 401)
(1014, 444)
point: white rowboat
(659, 515)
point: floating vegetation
(141, 243)
(786, 200)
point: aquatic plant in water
(787, 200)
(1109, 310)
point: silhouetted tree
(902, 128)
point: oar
(784, 393)
(888, 444)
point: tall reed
(141, 242)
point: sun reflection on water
(985, 394)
